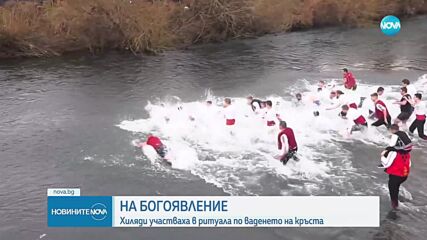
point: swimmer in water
(298, 100)
(154, 142)
(190, 117)
(332, 100)
(357, 122)
(286, 143)
(318, 97)
(338, 99)
(321, 85)
(255, 104)
(229, 115)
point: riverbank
(30, 29)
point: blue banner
(79, 211)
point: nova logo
(99, 211)
(390, 25)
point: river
(60, 117)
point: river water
(69, 122)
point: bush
(58, 26)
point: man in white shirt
(333, 101)
(229, 114)
(420, 116)
(271, 117)
(356, 121)
(341, 100)
(380, 92)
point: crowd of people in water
(396, 157)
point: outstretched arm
(401, 102)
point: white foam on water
(237, 158)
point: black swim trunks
(288, 156)
(403, 116)
(162, 151)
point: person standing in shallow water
(396, 160)
(286, 143)
(420, 116)
(381, 112)
(406, 108)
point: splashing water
(237, 158)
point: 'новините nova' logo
(390, 25)
(83, 211)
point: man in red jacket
(396, 160)
(349, 80)
(287, 143)
(156, 143)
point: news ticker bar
(69, 209)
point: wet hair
(322, 82)
(345, 107)
(209, 102)
(380, 89)
(418, 95)
(250, 97)
(283, 124)
(404, 89)
(340, 92)
(374, 94)
(298, 95)
(269, 103)
(345, 69)
(394, 127)
(406, 81)
(227, 100)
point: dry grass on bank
(59, 26)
